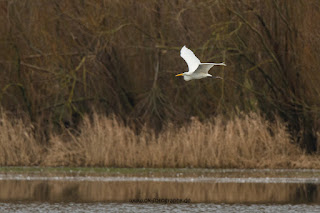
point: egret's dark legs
(217, 77)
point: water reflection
(50, 190)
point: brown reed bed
(17, 143)
(246, 141)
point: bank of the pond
(158, 172)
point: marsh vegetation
(91, 83)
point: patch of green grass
(162, 172)
(98, 170)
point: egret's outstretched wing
(190, 58)
(203, 68)
(216, 64)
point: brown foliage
(59, 59)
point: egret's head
(186, 77)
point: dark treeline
(59, 60)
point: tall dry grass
(247, 141)
(17, 143)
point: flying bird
(197, 70)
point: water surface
(125, 207)
(204, 191)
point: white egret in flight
(197, 70)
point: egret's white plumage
(197, 70)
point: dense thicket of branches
(61, 59)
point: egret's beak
(181, 74)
